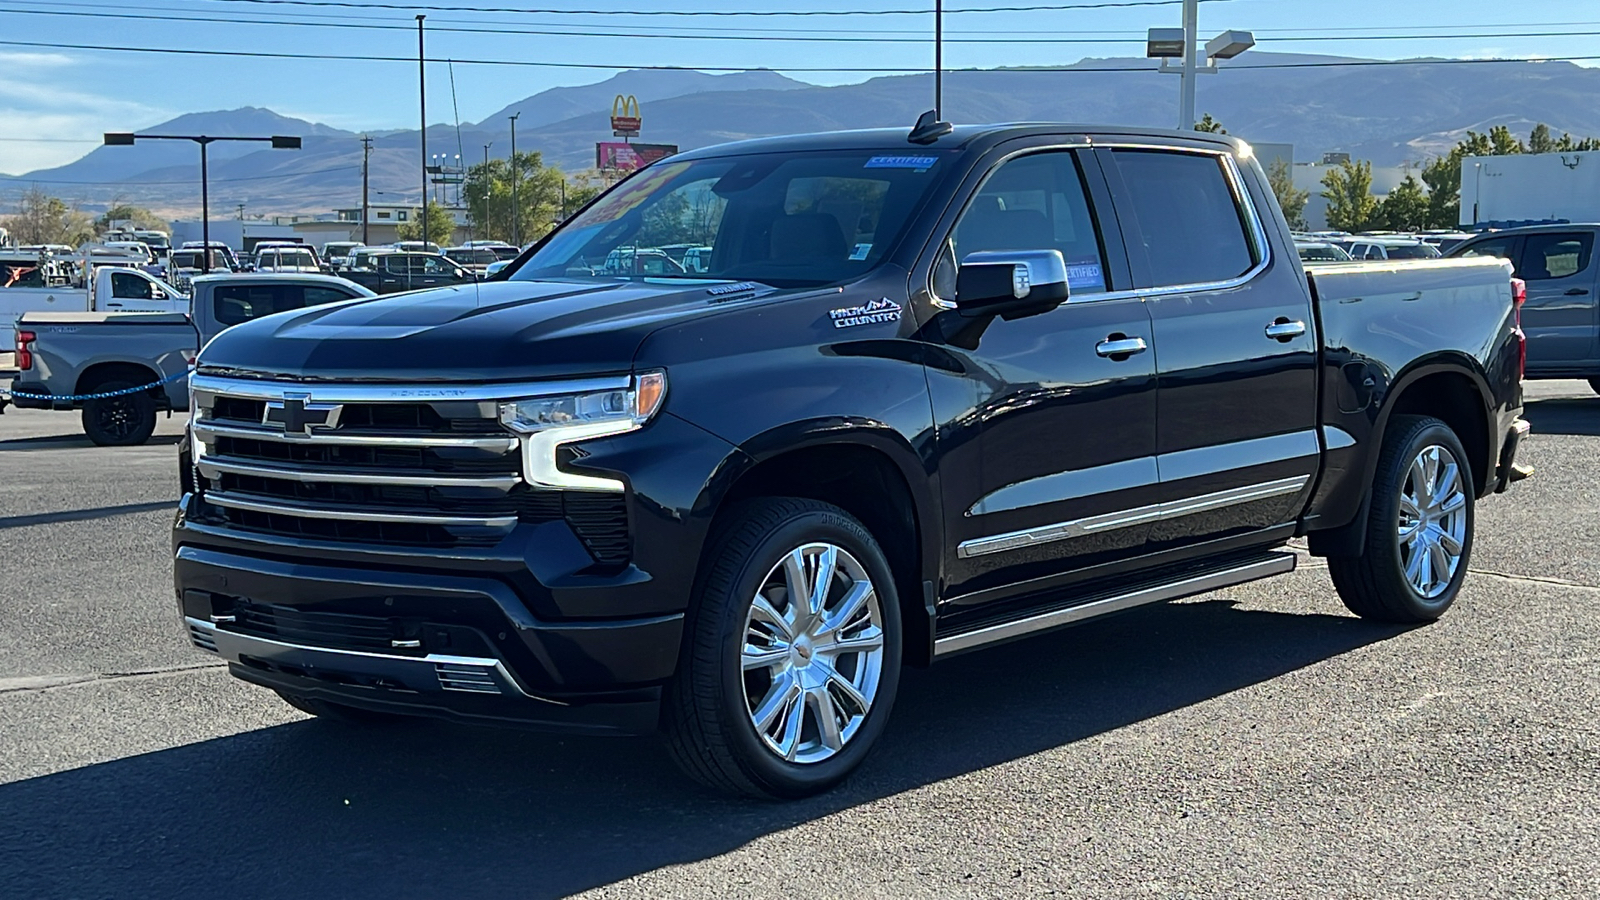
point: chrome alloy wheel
(1433, 521)
(812, 654)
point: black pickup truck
(931, 393)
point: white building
(1531, 187)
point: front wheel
(792, 657)
(1419, 527)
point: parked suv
(1562, 315)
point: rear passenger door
(1236, 439)
(1560, 315)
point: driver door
(1046, 441)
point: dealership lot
(1259, 741)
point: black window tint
(1033, 203)
(129, 287)
(232, 304)
(316, 296)
(1557, 255)
(1499, 247)
(1189, 222)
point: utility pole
(516, 211)
(488, 189)
(241, 211)
(938, 60)
(366, 161)
(422, 103)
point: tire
(713, 702)
(338, 712)
(1411, 574)
(125, 421)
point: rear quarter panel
(1385, 325)
(162, 343)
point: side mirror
(1011, 284)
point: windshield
(1411, 251)
(788, 220)
(1322, 254)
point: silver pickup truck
(65, 360)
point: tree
(1540, 141)
(1503, 143)
(539, 196)
(441, 226)
(1406, 207)
(1280, 175)
(1348, 190)
(43, 219)
(132, 216)
(1210, 125)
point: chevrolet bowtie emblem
(298, 415)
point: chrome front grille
(385, 465)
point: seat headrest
(807, 236)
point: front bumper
(456, 647)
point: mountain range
(1386, 113)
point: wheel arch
(868, 470)
(1448, 386)
(118, 370)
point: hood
(497, 331)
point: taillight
(1519, 296)
(24, 349)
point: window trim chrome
(1255, 230)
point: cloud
(61, 124)
(20, 61)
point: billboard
(629, 157)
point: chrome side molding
(1275, 564)
(1172, 509)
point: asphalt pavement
(1255, 742)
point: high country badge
(876, 312)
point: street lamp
(516, 217)
(1179, 43)
(127, 139)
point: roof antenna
(929, 128)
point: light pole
(516, 218)
(127, 139)
(1182, 44)
(422, 104)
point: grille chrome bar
(212, 465)
(345, 392)
(229, 501)
(206, 430)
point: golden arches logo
(626, 106)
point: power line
(430, 7)
(334, 57)
(1122, 38)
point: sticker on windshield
(860, 252)
(1082, 275)
(918, 163)
(874, 313)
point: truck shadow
(313, 809)
(1564, 416)
(63, 441)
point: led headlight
(546, 423)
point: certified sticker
(916, 163)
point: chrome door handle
(1123, 347)
(1284, 330)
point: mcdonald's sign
(625, 120)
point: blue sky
(58, 100)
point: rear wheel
(1419, 527)
(338, 712)
(123, 421)
(792, 658)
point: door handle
(1577, 292)
(1285, 330)
(1117, 346)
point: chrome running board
(1275, 564)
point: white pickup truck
(29, 283)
